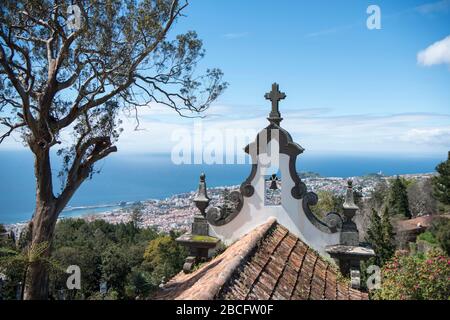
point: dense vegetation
(398, 198)
(422, 272)
(417, 277)
(380, 236)
(131, 261)
(441, 182)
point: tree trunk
(43, 226)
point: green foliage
(90, 265)
(139, 284)
(5, 240)
(420, 196)
(14, 263)
(14, 269)
(374, 232)
(203, 238)
(441, 231)
(441, 183)
(379, 195)
(427, 236)
(408, 277)
(136, 217)
(115, 268)
(110, 295)
(398, 198)
(328, 202)
(164, 257)
(388, 247)
(104, 252)
(381, 237)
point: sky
(349, 89)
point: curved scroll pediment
(333, 221)
(286, 146)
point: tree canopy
(398, 203)
(55, 77)
(131, 261)
(381, 237)
(69, 68)
(441, 183)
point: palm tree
(21, 260)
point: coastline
(177, 211)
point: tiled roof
(267, 263)
(421, 222)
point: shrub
(163, 258)
(441, 230)
(407, 277)
(428, 237)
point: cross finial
(275, 96)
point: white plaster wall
(290, 213)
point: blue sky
(349, 89)
(323, 54)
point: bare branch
(12, 128)
(31, 122)
(76, 110)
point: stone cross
(275, 96)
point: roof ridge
(234, 274)
(247, 252)
(210, 288)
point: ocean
(129, 178)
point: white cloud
(329, 31)
(434, 7)
(236, 35)
(316, 129)
(437, 53)
(369, 132)
(435, 136)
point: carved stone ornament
(332, 222)
(224, 213)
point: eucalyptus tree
(67, 68)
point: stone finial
(201, 198)
(349, 232)
(349, 205)
(198, 240)
(348, 253)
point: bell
(273, 184)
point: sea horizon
(128, 179)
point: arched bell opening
(272, 189)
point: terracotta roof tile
(331, 287)
(268, 263)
